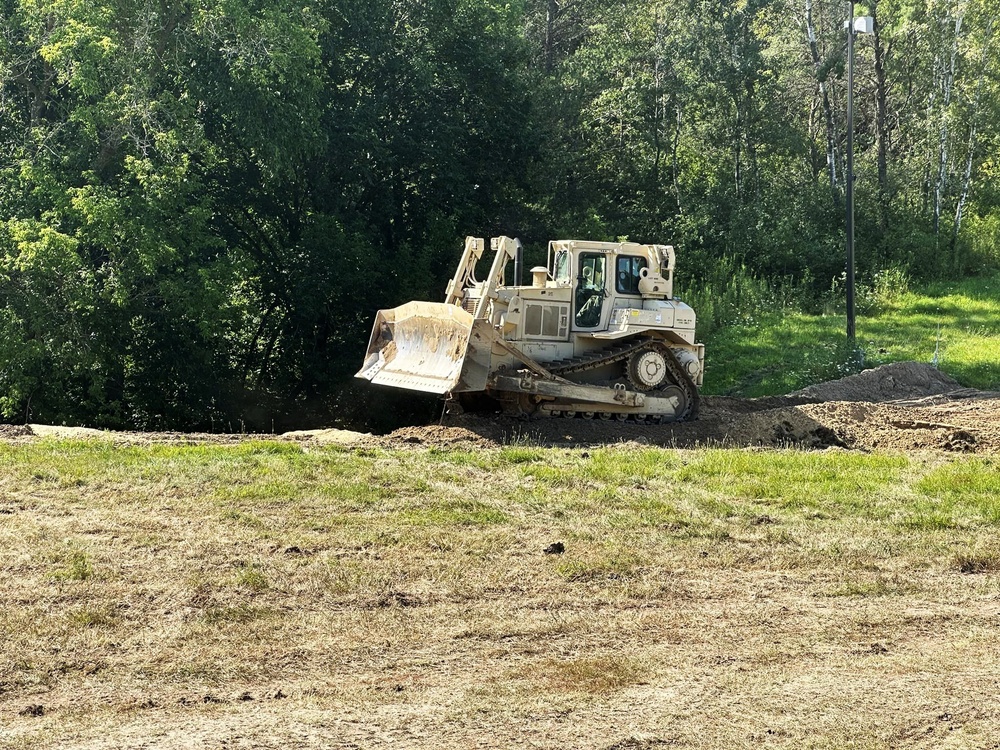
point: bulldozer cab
(603, 276)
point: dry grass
(268, 595)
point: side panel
(546, 321)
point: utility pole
(850, 178)
(864, 25)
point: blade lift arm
(474, 247)
(505, 249)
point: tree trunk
(881, 119)
(831, 137)
(674, 160)
(947, 82)
(659, 110)
(971, 149)
(551, 13)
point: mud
(899, 407)
(14, 431)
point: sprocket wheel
(647, 369)
(654, 369)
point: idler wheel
(674, 391)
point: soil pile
(904, 406)
(899, 380)
(14, 431)
(331, 435)
(470, 431)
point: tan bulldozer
(597, 333)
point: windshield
(561, 271)
(590, 292)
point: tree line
(202, 205)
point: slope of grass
(782, 351)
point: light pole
(864, 25)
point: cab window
(590, 291)
(627, 273)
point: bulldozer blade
(429, 346)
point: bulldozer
(597, 333)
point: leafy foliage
(203, 204)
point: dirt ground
(899, 407)
(904, 406)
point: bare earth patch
(904, 406)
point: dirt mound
(886, 383)
(68, 433)
(475, 432)
(970, 425)
(14, 431)
(905, 406)
(331, 435)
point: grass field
(276, 595)
(781, 351)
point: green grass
(962, 494)
(75, 567)
(782, 351)
(619, 509)
(276, 491)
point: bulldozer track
(620, 353)
(597, 358)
